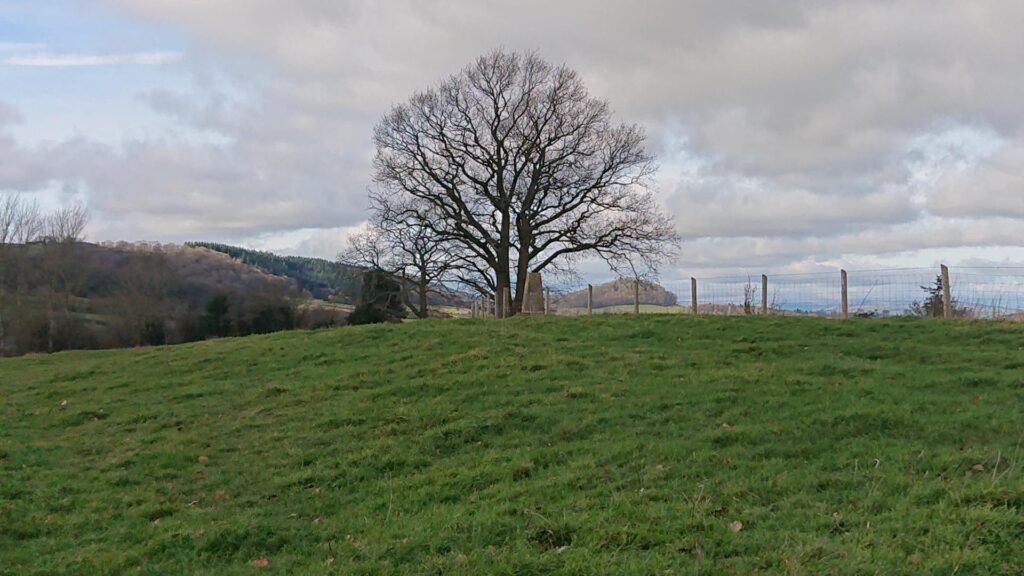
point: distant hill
(617, 293)
(322, 279)
(58, 296)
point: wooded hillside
(59, 296)
(322, 279)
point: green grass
(542, 445)
(625, 309)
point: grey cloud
(169, 190)
(994, 187)
(818, 104)
(9, 115)
(926, 233)
(834, 82)
(735, 209)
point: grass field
(625, 309)
(596, 445)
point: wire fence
(975, 292)
(972, 292)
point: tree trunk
(3, 300)
(50, 325)
(499, 289)
(67, 311)
(3, 303)
(636, 296)
(522, 265)
(423, 288)
(501, 275)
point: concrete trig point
(533, 297)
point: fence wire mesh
(976, 292)
(986, 291)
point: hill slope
(618, 293)
(599, 445)
(323, 279)
(58, 296)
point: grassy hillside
(595, 445)
(623, 309)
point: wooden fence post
(947, 296)
(764, 294)
(844, 310)
(636, 296)
(590, 298)
(693, 295)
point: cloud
(9, 115)
(315, 242)
(992, 187)
(6, 47)
(735, 209)
(926, 233)
(45, 59)
(170, 190)
(787, 131)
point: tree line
(58, 292)
(322, 279)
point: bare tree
(63, 229)
(10, 209)
(20, 222)
(141, 289)
(514, 162)
(369, 249)
(403, 247)
(67, 223)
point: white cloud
(7, 47)
(315, 242)
(46, 59)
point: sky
(791, 135)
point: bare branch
(514, 166)
(67, 223)
(20, 220)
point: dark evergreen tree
(216, 320)
(933, 305)
(379, 301)
(323, 279)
